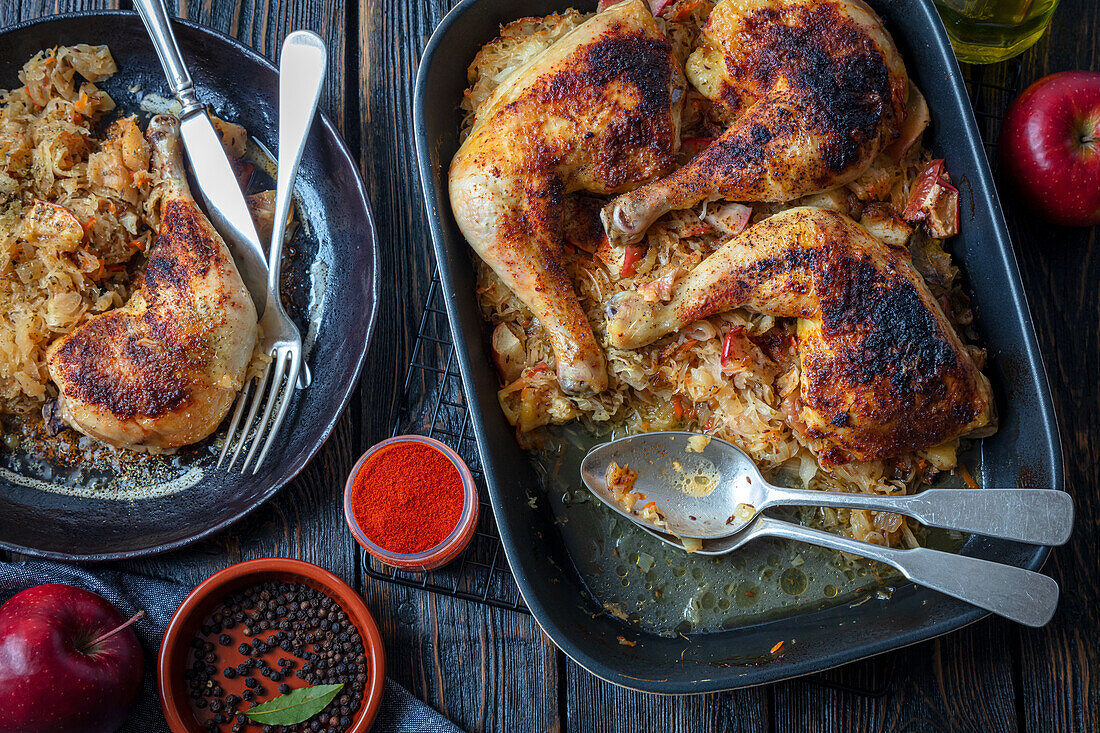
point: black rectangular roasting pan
(1024, 452)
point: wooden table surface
(491, 669)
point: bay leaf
(296, 706)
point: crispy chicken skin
(597, 111)
(882, 371)
(812, 91)
(162, 371)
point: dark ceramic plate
(1024, 452)
(334, 263)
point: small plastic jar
(446, 550)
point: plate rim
(344, 152)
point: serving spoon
(708, 488)
(664, 459)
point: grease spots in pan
(663, 590)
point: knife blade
(224, 202)
(217, 185)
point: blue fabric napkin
(400, 711)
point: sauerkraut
(735, 375)
(73, 211)
(78, 205)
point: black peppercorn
(229, 673)
(251, 683)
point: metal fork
(301, 72)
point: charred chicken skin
(882, 371)
(162, 371)
(812, 91)
(598, 111)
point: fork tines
(287, 363)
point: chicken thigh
(162, 371)
(812, 91)
(597, 111)
(882, 370)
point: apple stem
(103, 637)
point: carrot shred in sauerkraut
(72, 205)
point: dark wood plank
(262, 25)
(960, 682)
(28, 9)
(1060, 664)
(484, 668)
(594, 705)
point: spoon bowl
(704, 487)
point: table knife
(217, 184)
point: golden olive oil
(989, 31)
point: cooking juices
(410, 502)
(666, 591)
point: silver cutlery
(301, 73)
(1036, 516)
(711, 497)
(1006, 590)
(217, 185)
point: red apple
(68, 662)
(1050, 147)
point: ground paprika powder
(407, 497)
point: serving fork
(301, 73)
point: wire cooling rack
(991, 89)
(434, 404)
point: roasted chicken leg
(162, 371)
(597, 111)
(882, 371)
(812, 91)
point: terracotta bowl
(196, 607)
(452, 545)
